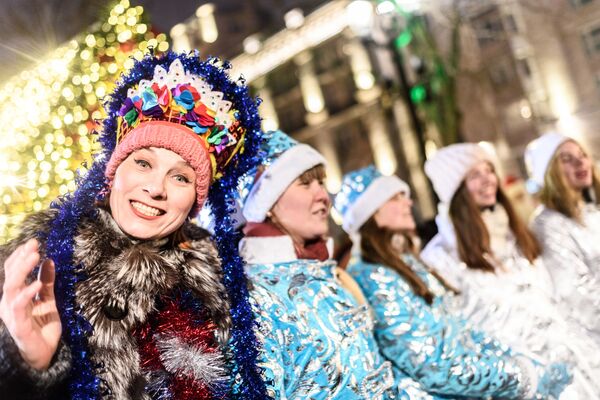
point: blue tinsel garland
(73, 208)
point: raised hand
(32, 321)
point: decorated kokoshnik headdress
(193, 108)
(180, 111)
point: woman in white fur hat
(568, 224)
(488, 253)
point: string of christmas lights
(48, 113)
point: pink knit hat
(181, 111)
(172, 136)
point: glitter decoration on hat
(363, 192)
(273, 145)
(72, 208)
(354, 184)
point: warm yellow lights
(47, 113)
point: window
(339, 90)
(488, 26)
(328, 56)
(283, 79)
(598, 81)
(511, 24)
(352, 145)
(579, 3)
(523, 67)
(591, 41)
(501, 73)
(291, 114)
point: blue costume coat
(317, 340)
(440, 351)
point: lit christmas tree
(47, 113)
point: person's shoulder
(545, 218)
(34, 225)
(357, 267)
(196, 233)
(199, 241)
(436, 248)
(374, 276)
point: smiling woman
(486, 251)
(132, 301)
(313, 322)
(568, 224)
(413, 325)
(153, 193)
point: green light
(403, 39)
(418, 93)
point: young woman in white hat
(568, 224)
(313, 321)
(495, 261)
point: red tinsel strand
(185, 388)
(172, 321)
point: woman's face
(396, 214)
(153, 192)
(575, 165)
(482, 183)
(302, 210)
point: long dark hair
(376, 247)
(472, 236)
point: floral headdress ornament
(184, 98)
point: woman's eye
(142, 163)
(182, 179)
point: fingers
(18, 266)
(19, 306)
(47, 279)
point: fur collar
(121, 280)
(271, 249)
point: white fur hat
(363, 192)
(448, 166)
(285, 160)
(538, 154)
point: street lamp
(382, 27)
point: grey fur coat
(124, 280)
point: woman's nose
(578, 160)
(155, 188)
(321, 193)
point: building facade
(328, 79)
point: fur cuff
(18, 378)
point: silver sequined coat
(516, 304)
(571, 252)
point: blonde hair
(558, 195)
